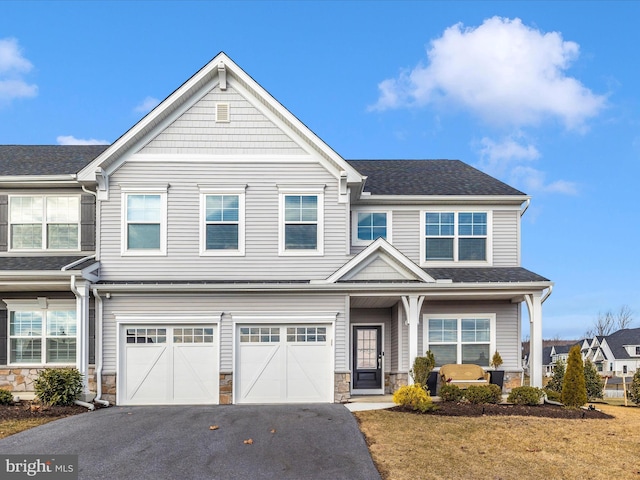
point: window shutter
(88, 223)
(4, 222)
(3, 337)
(92, 336)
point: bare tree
(608, 322)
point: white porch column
(81, 291)
(534, 305)
(412, 305)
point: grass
(410, 446)
(9, 427)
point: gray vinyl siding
(505, 238)
(249, 131)
(214, 305)
(507, 324)
(375, 316)
(261, 260)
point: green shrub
(422, 366)
(555, 384)
(553, 395)
(413, 397)
(58, 386)
(574, 390)
(450, 393)
(634, 388)
(593, 381)
(483, 394)
(525, 395)
(6, 397)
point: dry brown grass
(9, 427)
(409, 446)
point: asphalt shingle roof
(428, 177)
(485, 275)
(46, 159)
(39, 263)
(617, 341)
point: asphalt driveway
(289, 442)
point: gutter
(98, 340)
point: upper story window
(370, 225)
(144, 229)
(301, 222)
(222, 221)
(42, 222)
(638, 351)
(456, 237)
(42, 335)
(468, 339)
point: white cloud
(71, 140)
(533, 180)
(497, 157)
(503, 71)
(13, 66)
(148, 104)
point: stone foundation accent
(226, 389)
(109, 387)
(21, 379)
(342, 386)
(512, 380)
(394, 380)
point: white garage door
(283, 364)
(169, 365)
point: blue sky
(543, 95)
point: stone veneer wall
(394, 380)
(226, 389)
(342, 387)
(109, 387)
(511, 381)
(20, 380)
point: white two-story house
(237, 258)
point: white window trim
(144, 190)
(455, 261)
(240, 192)
(355, 241)
(41, 305)
(283, 192)
(459, 318)
(44, 223)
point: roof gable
(222, 73)
(380, 261)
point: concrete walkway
(315, 441)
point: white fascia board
(497, 200)
(30, 181)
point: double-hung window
(460, 339)
(222, 221)
(50, 222)
(42, 336)
(144, 229)
(456, 237)
(370, 225)
(301, 222)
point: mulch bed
(24, 410)
(461, 409)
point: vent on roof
(222, 112)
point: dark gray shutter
(4, 222)
(88, 223)
(3, 337)
(92, 336)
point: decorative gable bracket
(103, 184)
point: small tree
(634, 388)
(555, 384)
(574, 390)
(422, 366)
(593, 381)
(496, 360)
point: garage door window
(146, 335)
(306, 334)
(259, 334)
(193, 335)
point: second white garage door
(169, 364)
(283, 364)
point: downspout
(77, 294)
(98, 365)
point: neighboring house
(615, 354)
(238, 258)
(552, 351)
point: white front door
(169, 364)
(283, 364)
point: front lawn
(410, 446)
